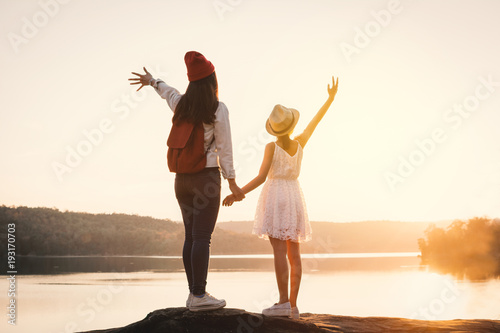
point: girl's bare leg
(293, 250)
(281, 267)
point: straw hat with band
(282, 120)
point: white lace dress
(281, 210)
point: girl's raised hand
(143, 80)
(333, 90)
(304, 137)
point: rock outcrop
(177, 320)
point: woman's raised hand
(143, 80)
(333, 90)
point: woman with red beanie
(198, 192)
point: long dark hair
(200, 101)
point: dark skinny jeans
(198, 195)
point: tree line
(466, 249)
(48, 231)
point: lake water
(68, 294)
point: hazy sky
(412, 135)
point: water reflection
(103, 300)
(106, 292)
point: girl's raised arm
(304, 136)
(261, 177)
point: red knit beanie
(198, 67)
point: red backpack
(186, 152)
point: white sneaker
(206, 303)
(188, 301)
(294, 313)
(278, 310)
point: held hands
(229, 200)
(333, 90)
(237, 193)
(143, 80)
(235, 190)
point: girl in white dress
(281, 213)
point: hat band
(286, 129)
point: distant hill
(47, 231)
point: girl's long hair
(200, 101)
